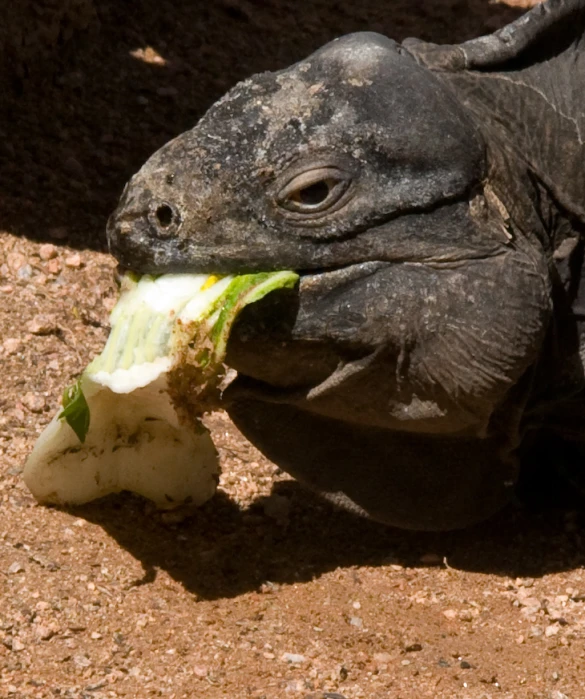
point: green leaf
(75, 410)
(244, 289)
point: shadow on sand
(223, 551)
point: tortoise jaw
(335, 275)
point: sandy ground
(266, 591)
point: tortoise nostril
(164, 215)
(164, 218)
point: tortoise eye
(314, 191)
(313, 195)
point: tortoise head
(420, 306)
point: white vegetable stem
(140, 346)
(119, 429)
(135, 441)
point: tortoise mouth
(341, 273)
(281, 341)
(244, 386)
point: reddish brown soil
(266, 591)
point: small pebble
(42, 325)
(356, 621)
(96, 686)
(34, 402)
(48, 251)
(12, 345)
(295, 686)
(382, 658)
(53, 266)
(18, 414)
(44, 633)
(24, 272)
(531, 605)
(465, 615)
(413, 647)
(81, 660)
(15, 260)
(17, 645)
(73, 261)
(552, 630)
(293, 658)
(149, 55)
(15, 567)
(450, 614)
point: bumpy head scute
(358, 116)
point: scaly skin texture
(432, 199)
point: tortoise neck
(535, 111)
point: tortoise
(432, 199)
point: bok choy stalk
(132, 420)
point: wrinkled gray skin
(433, 200)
